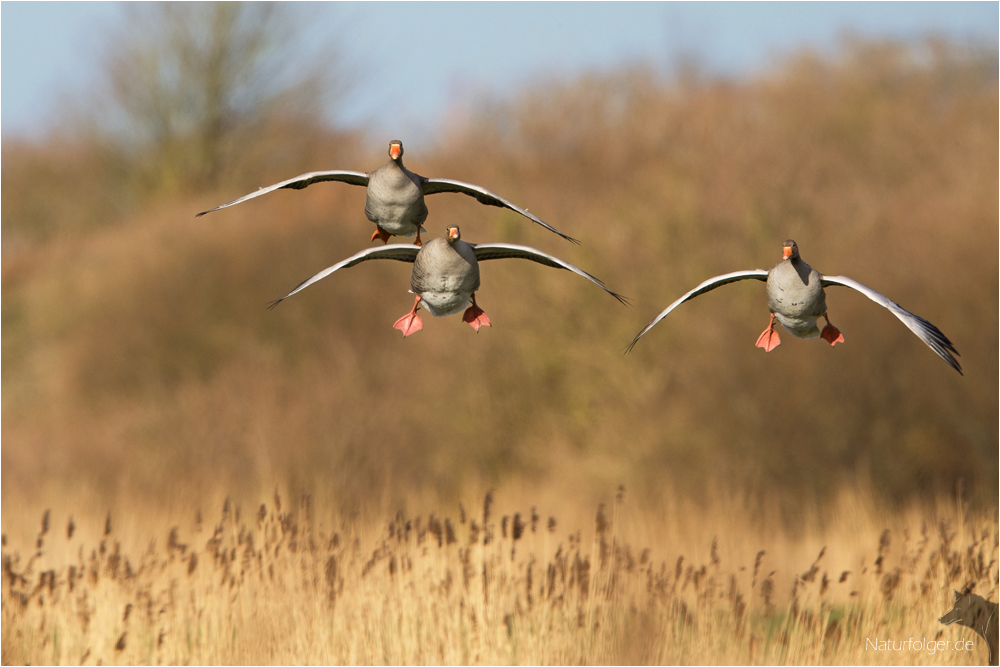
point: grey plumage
(445, 275)
(795, 296)
(395, 200)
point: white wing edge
(707, 286)
(401, 252)
(299, 182)
(487, 251)
(924, 330)
(480, 193)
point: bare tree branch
(190, 85)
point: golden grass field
(779, 508)
(291, 581)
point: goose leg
(475, 317)
(830, 333)
(418, 242)
(769, 339)
(411, 322)
(382, 234)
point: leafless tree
(190, 88)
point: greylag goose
(445, 275)
(796, 298)
(395, 201)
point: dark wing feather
(400, 252)
(299, 182)
(509, 251)
(924, 330)
(707, 286)
(435, 185)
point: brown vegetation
(140, 353)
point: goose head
(790, 250)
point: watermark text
(929, 645)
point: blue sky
(414, 62)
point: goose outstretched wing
(299, 182)
(435, 185)
(924, 330)
(707, 286)
(400, 252)
(486, 251)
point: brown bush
(139, 356)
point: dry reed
(283, 585)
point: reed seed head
(602, 522)
(518, 527)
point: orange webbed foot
(769, 339)
(410, 323)
(831, 334)
(475, 317)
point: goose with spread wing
(445, 275)
(796, 299)
(395, 199)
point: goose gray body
(445, 275)
(795, 296)
(796, 299)
(395, 199)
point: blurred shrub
(142, 355)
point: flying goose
(395, 201)
(445, 275)
(796, 298)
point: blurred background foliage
(138, 356)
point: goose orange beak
(786, 252)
